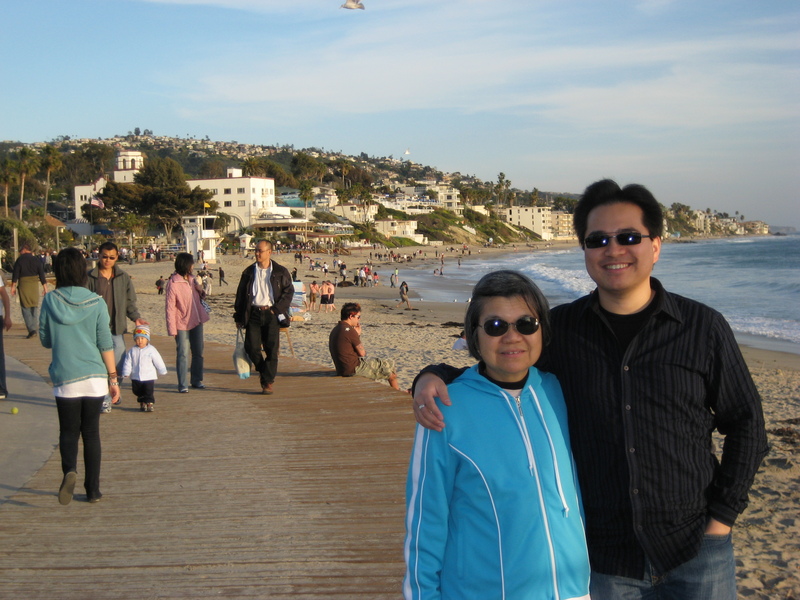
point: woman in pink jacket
(185, 317)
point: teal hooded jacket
(493, 505)
(74, 322)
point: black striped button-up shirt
(641, 419)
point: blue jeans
(30, 314)
(186, 342)
(711, 575)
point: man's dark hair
(108, 246)
(607, 191)
(69, 267)
(268, 243)
(504, 284)
(349, 309)
(183, 263)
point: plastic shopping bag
(241, 361)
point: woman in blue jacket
(74, 322)
(493, 506)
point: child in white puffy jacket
(142, 363)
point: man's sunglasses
(601, 240)
(498, 327)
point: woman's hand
(114, 391)
(427, 389)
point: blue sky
(698, 100)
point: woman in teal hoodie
(74, 322)
(493, 507)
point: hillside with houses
(142, 187)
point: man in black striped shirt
(647, 376)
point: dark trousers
(80, 418)
(263, 333)
(143, 390)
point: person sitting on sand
(461, 342)
(348, 353)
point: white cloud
(695, 83)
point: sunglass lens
(495, 327)
(629, 239)
(596, 241)
(527, 325)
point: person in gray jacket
(114, 286)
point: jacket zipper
(535, 473)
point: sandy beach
(767, 535)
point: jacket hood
(66, 304)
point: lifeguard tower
(200, 236)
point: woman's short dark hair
(606, 191)
(504, 284)
(183, 263)
(69, 267)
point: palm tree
(306, 194)
(27, 162)
(344, 167)
(51, 161)
(500, 188)
(252, 167)
(320, 171)
(8, 177)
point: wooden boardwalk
(223, 492)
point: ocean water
(754, 281)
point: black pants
(80, 418)
(143, 390)
(263, 333)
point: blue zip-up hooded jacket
(74, 323)
(493, 506)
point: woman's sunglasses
(498, 327)
(601, 240)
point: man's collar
(662, 301)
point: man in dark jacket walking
(262, 307)
(114, 286)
